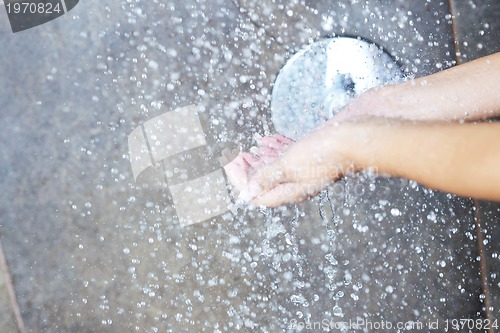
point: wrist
(363, 144)
(386, 101)
(348, 146)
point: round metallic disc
(318, 81)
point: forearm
(461, 159)
(465, 92)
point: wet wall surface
(88, 250)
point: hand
(458, 158)
(244, 165)
(462, 93)
(302, 171)
(386, 102)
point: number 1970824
(33, 8)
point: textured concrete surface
(490, 220)
(91, 251)
(7, 317)
(477, 26)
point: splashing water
(331, 269)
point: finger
(281, 195)
(267, 151)
(250, 158)
(264, 180)
(269, 176)
(268, 141)
(287, 193)
(277, 141)
(237, 173)
(266, 160)
(265, 157)
(283, 139)
(263, 151)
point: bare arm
(461, 159)
(466, 92)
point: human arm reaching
(437, 151)
(462, 93)
(460, 159)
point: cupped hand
(303, 170)
(243, 167)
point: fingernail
(250, 192)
